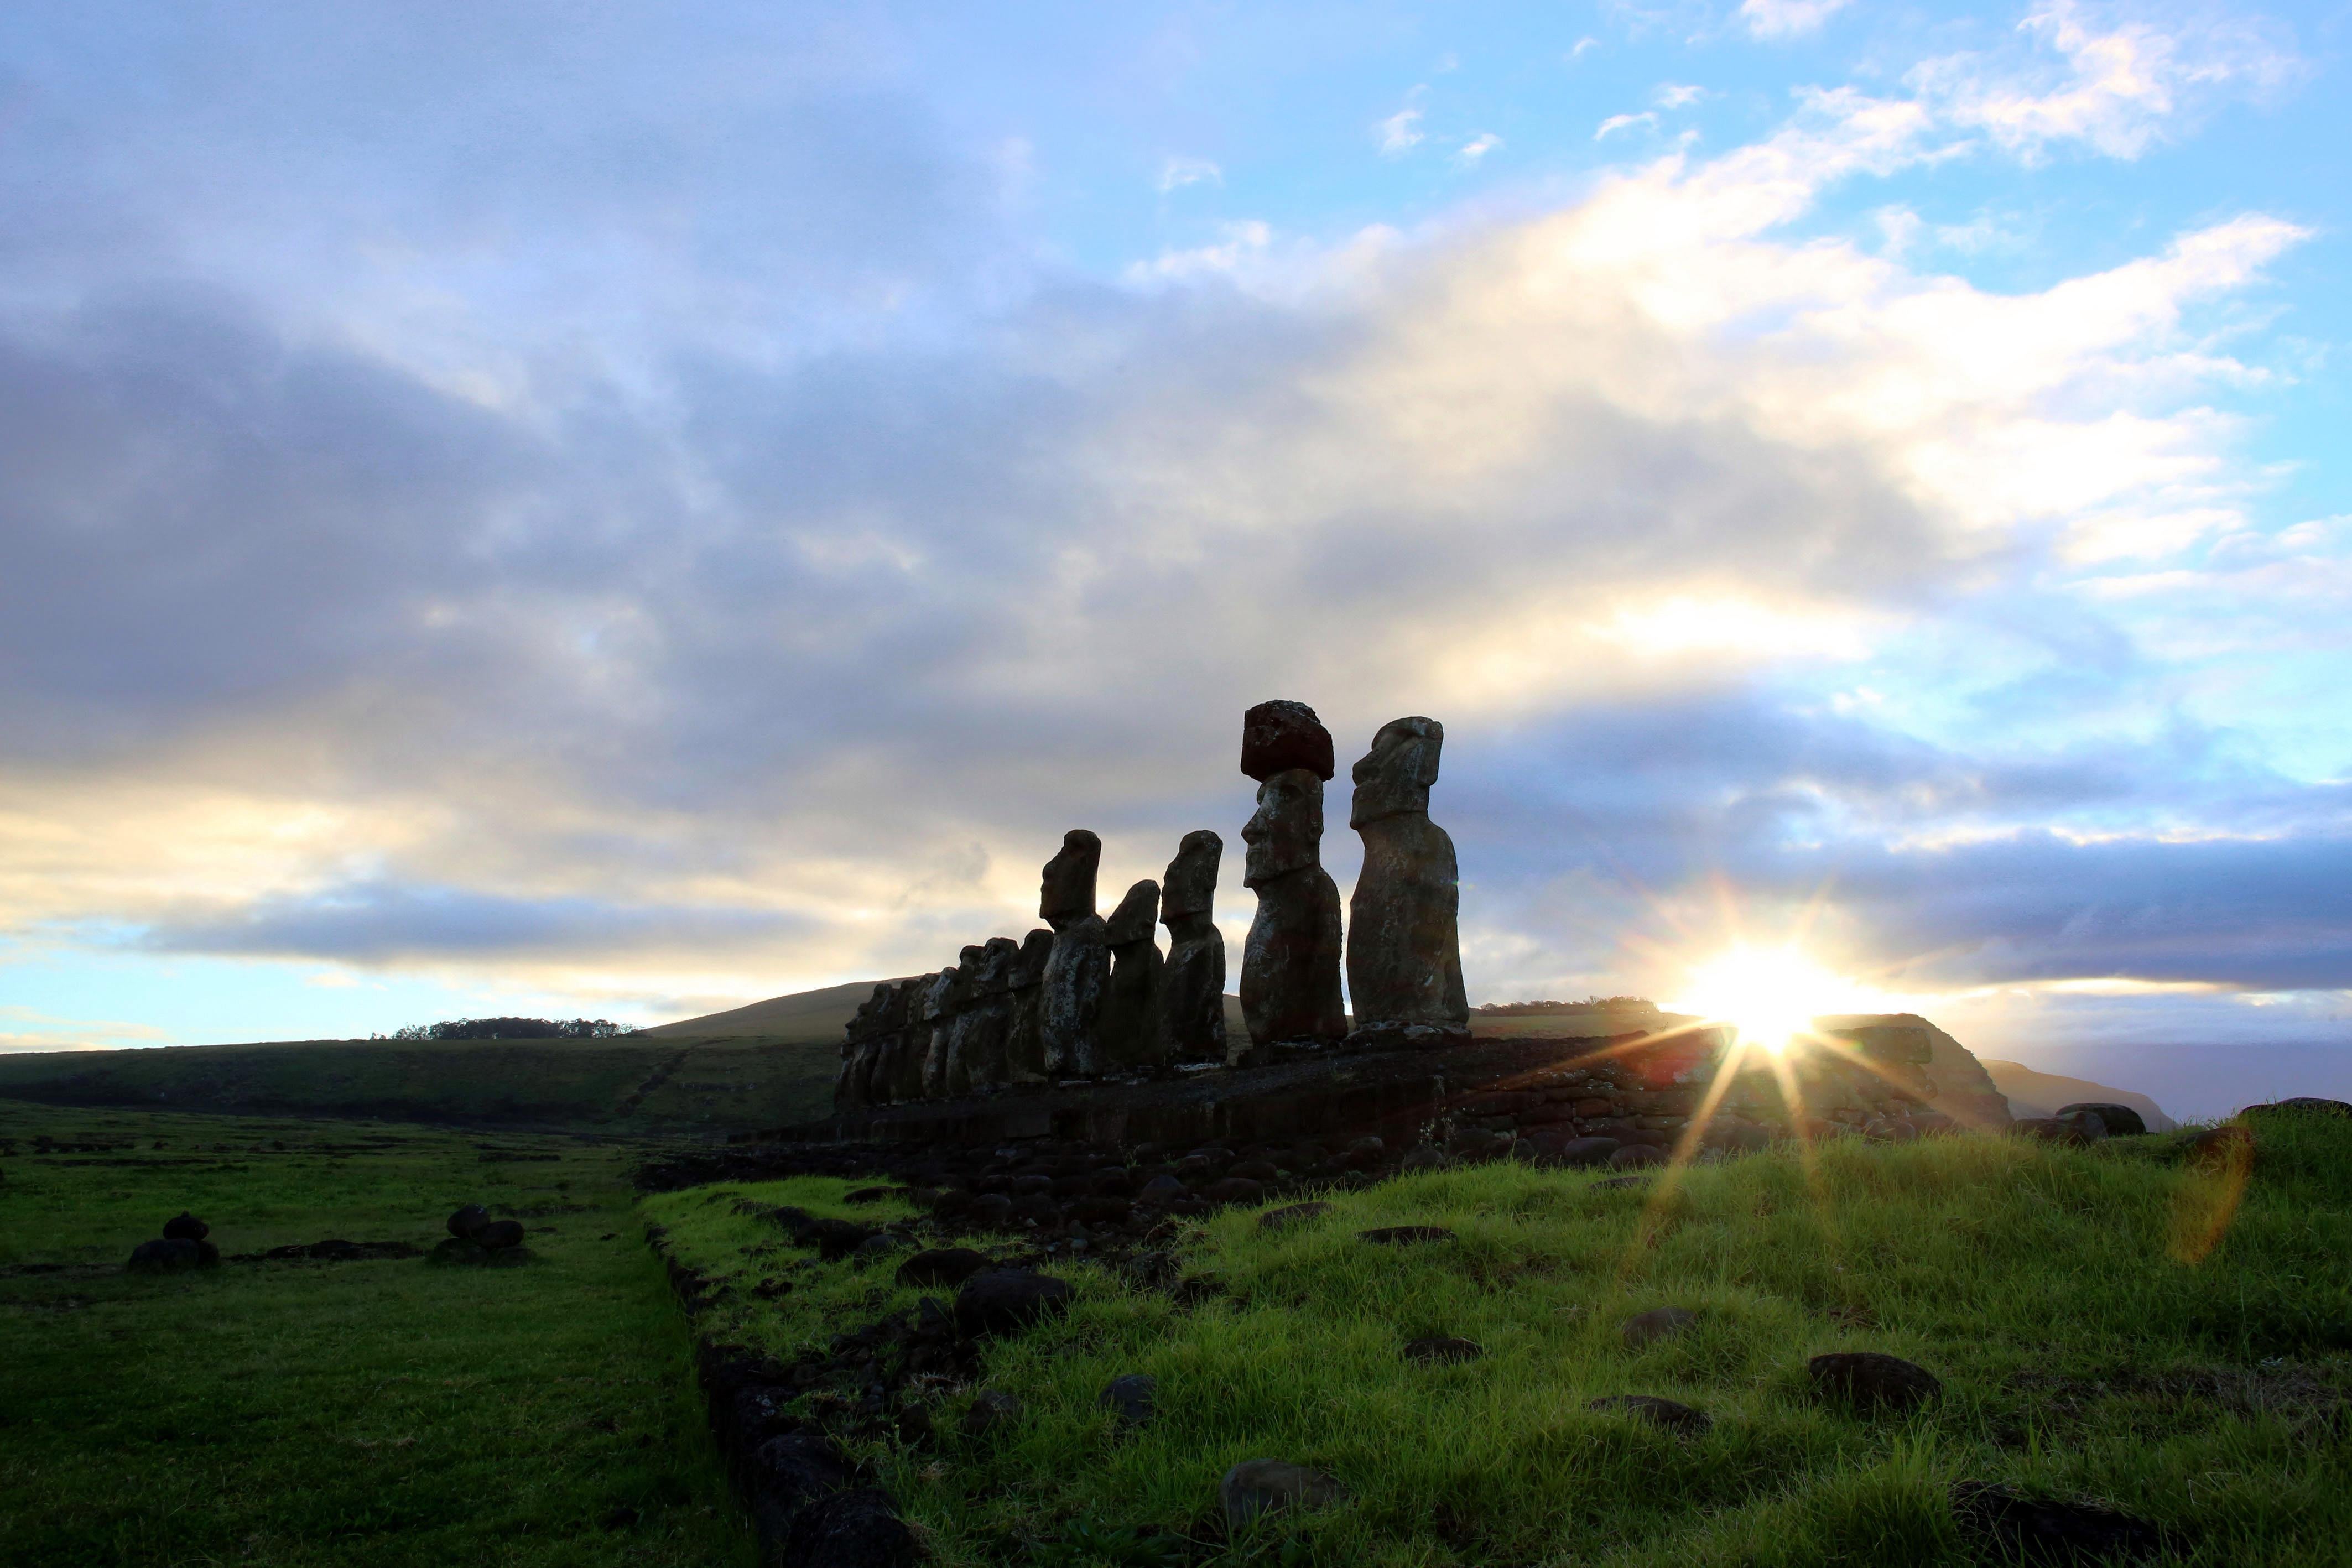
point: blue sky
(626, 510)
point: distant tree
(515, 1028)
(1555, 1010)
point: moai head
(1191, 886)
(1029, 964)
(1137, 918)
(1393, 779)
(996, 963)
(883, 1012)
(1278, 736)
(1068, 892)
(1287, 834)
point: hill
(2032, 1093)
(802, 1018)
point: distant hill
(804, 1016)
(2036, 1093)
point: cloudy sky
(625, 510)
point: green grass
(2090, 1340)
(364, 1413)
(637, 1085)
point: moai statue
(1290, 965)
(879, 1018)
(1404, 952)
(1192, 986)
(976, 1041)
(1078, 971)
(1024, 1042)
(1131, 1038)
(934, 1017)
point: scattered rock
(1283, 1219)
(185, 1227)
(1256, 1487)
(1680, 1419)
(172, 1254)
(499, 1234)
(990, 1212)
(2080, 1130)
(2029, 1530)
(1585, 1152)
(941, 1266)
(1234, 1189)
(2223, 1149)
(872, 1194)
(881, 1244)
(990, 1408)
(1423, 1159)
(1405, 1235)
(1659, 1322)
(1007, 1301)
(467, 1220)
(1162, 1190)
(2119, 1121)
(1443, 1351)
(850, 1530)
(1132, 1396)
(1867, 1378)
(1633, 1156)
(2309, 1103)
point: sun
(1772, 994)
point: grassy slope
(2036, 1093)
(2084, 1346)
(366, 1413)
(637, 1084)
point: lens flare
(1772, 994)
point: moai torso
(976, 1042)
(1024, 1042)
(1130, 1034)
(928, 1049)
(1192, 985)
(1290, 965)
(1078, 971)
(1404, 951)
(881, 1019)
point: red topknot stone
(1279, 735)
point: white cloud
(1179, 171)
(1401, 133)
(1242, 244)
(1478, 146)
(2116, 87)
(1787, 18)
(1582, 48)
(1675, 95)
(1617, 122)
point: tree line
(514, 1028)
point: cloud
(2116, 87)
(1478, 146)
(388, 621)
(1581, 48)
(25, 1028)
(1401, 133)
(1673, 95)
(1617, 122)
(1177, 173)
(1787, 18)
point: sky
(622, 510)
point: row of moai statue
(1089, 997)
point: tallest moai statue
(1078, 971)
(1404, 951)
(1290, 965)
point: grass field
(2107, 1323)
(352, 1413)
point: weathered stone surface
(1668, 1414)
(941, 1266)
(1133, 1397)
(850, 1529)
(185, 1227)
(982, 1030)
(1068, 890)
(1130, 1029)
(1279, 735)
(1270, 1485)
(1443, 1350)
(1404, 952)
(936, 1024)
(990, 1408)
(1077, 976)
(1633, 1156)
(468, 1220)
(1659, 1322)
(499, 1234)
(1192, 985)
(168, 1254)
(1024, 1039)
(2037, 1531)
(873, 1039)
(1006, 1300)
(1872, 1380)
(2119, 1121)
(1290, 965)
